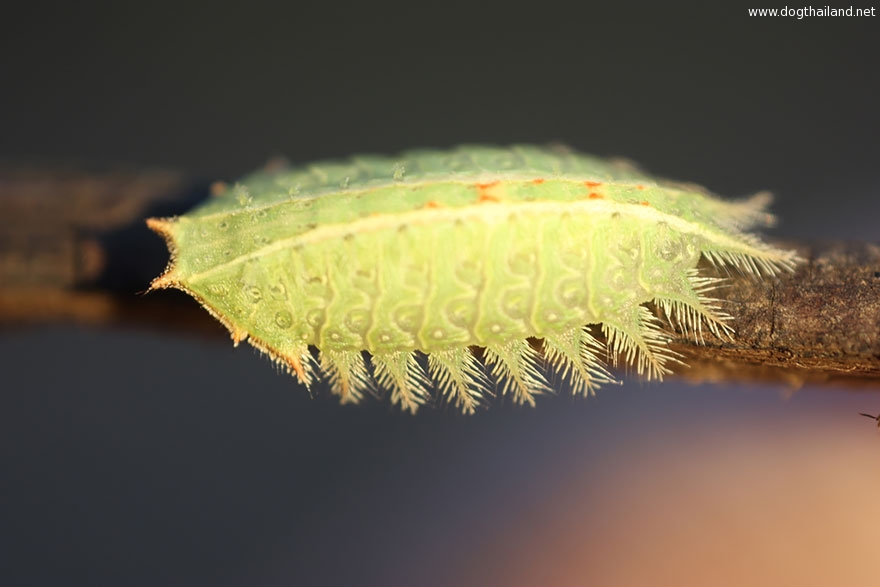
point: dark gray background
(129, 458)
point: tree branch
(74, 247)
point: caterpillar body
(442, 252)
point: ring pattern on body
(375, 261)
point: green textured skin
(442, 250)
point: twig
(74, 247)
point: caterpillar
(355, 269)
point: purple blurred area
(129, 458)
(203, 466)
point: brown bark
(74, 247)
(820, 323)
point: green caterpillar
(438, 252)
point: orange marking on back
(640, 187)
(538, 181)
(483, 191)
(433, 204)
(592, 184)
(218, 188)
(595, 196)
(645, 203)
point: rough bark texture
(74, 247)
(821, 322)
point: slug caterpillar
(442, 252)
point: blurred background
(136, 458)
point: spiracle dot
(570, 292)
(460, 312)
(669, 250)
(253, 294)
(656, 275)
(358, 321)
(438, 334)
(315, 317)
(630, 250)
(468, 271)
(691, 246)
(620, 279)
(522, 263)
(515, 304)
(283, 319)
(278, 290)
(408, 318)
